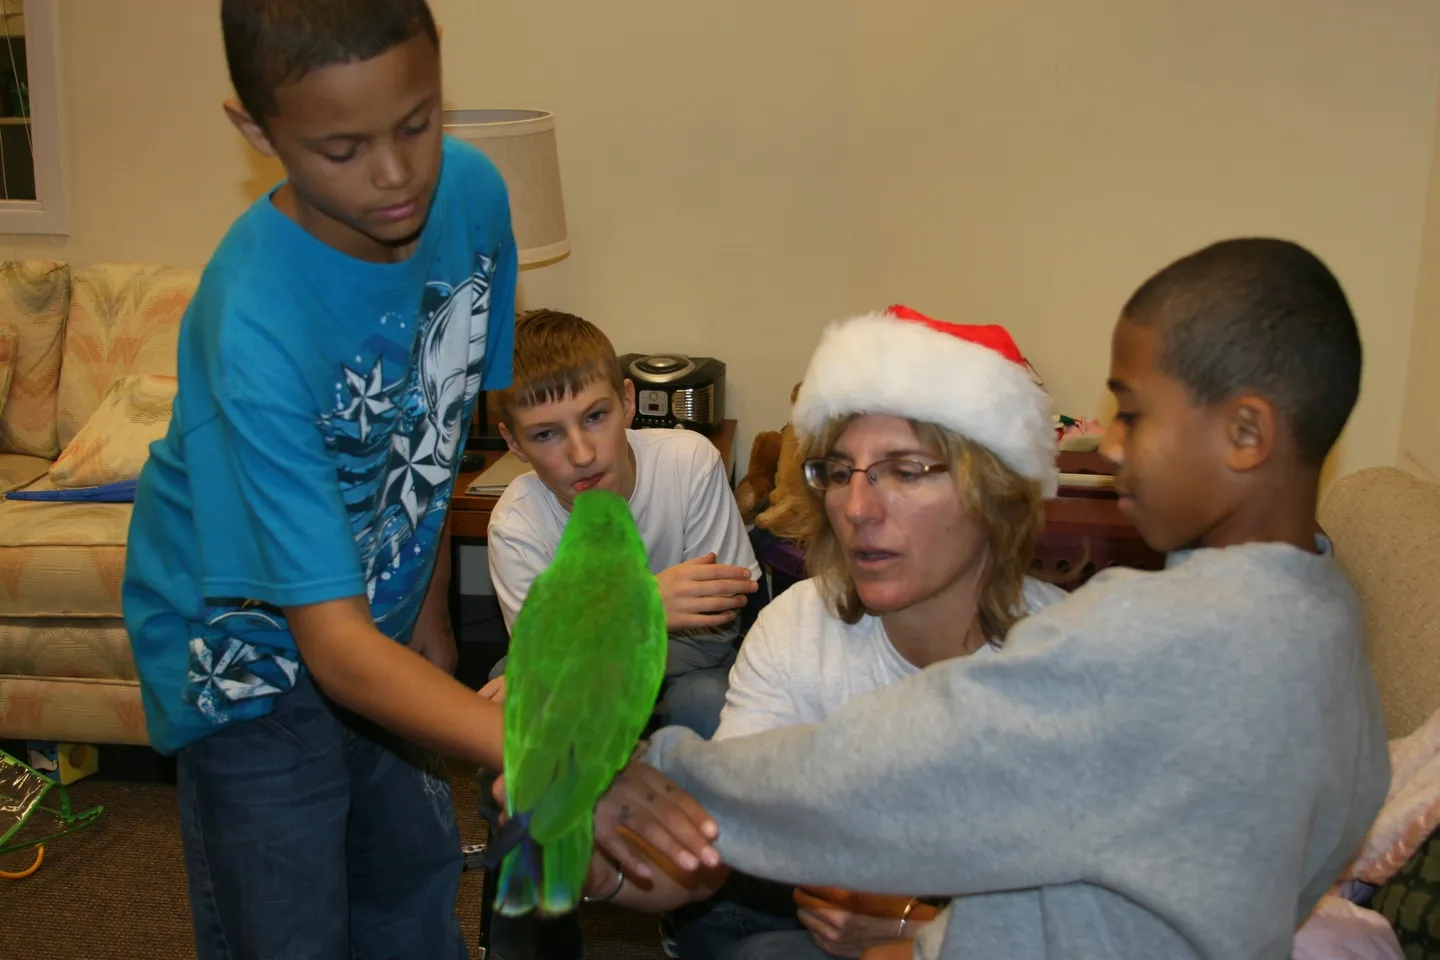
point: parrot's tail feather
(567, 862)
(517, 892)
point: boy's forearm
(365, 671)
(437, 597)
(783, 797)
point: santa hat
(970, 379)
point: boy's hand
(701, 593)
(494, 690)
(646, 804)
(435, 641)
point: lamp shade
(521, 144)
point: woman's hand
(845, 934)
(847, 924)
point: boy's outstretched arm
(365, 671)
(969, 776)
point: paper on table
(1096, 480)
(497, 477)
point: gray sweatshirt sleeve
(990, 763)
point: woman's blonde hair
(1008, 507)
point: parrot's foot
(507, 837)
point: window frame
(49, 212)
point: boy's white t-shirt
(683, 507)
(800, 663)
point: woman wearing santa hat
(929, 449)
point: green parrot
(587, 656)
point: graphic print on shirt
(398, 445)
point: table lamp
(521, 144)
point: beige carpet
(116, 890)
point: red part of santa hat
(969, 378)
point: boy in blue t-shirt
(289, 533)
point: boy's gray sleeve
(973, 775)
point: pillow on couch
(115, 442)
(8, 341)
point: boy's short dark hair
(269, 43)
(1261, 315)
(556, 356)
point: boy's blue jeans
(312, 833)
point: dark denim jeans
(748, 919)
(310, 833)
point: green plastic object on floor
(23, 791)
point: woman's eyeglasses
(824, 474)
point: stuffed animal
(752, 493)
(783, 515)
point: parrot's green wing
(587, 656)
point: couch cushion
(34, 298)
(115, 442)
(1385, 524)
(16, 470)
(68, 649)
(124, 319)
(71, 711)
(61, 559)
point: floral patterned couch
(66, 672)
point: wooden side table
(1085, 532)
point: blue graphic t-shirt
(315, 440)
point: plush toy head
(752, 493)
(784, 517)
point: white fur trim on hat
(879, 363)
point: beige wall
(738, 173)
(155, 171)
(704, 154)
(1420, 423)
(1032, 169)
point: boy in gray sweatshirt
(1171, 764)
